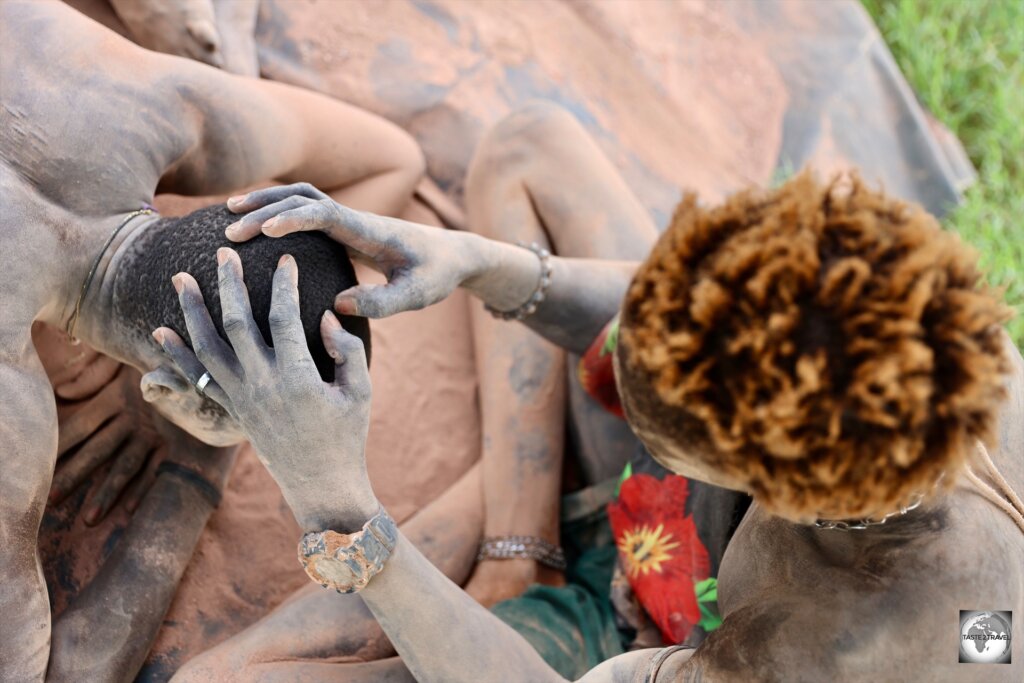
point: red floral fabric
(664, 559)
(660, 551)
(596, 370)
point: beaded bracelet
(530, 306)
(522, 548)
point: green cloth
(573, 627)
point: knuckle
(234, 323)
(280, 316)
(362, 392)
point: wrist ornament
(347, 562)
(188, 475)
(529, 307)
(522, 548)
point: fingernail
(91, 515)
(233, 228)
(235, 201)
(330, 320)
(270, 223)
(285, 260)
(178, 283)
(158, 334)
(222, 255)
(345, 306)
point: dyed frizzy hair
(830, 346)
(144, 297)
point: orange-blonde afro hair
(829, 345)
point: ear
(162, 382)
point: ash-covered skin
(90, 126)
(799, 603)
(143, 298)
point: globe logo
(985, 637)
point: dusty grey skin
(220, 33)
(71, 168)
(799, 603)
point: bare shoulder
(90, 119)
(807, 604)
(1009, 454)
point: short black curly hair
(144, 298)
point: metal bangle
(529, 307)
(522, 548)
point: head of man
(828, 349)
(143, 298)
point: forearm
(441, 633)
(583, 296)
(107, 632)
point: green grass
(965, 60)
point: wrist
(502, 275)
(338, 510)
(480, 258)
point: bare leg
(538, 177)
(315, 631)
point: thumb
(379, 301)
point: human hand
(76, 371)
(423, 265)
(308, 433)
(114, 421)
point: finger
(90, 380)
(241, 329)
(290, 345)
(189, 366)
(138, 489)
(380, 301)
(129, 461)
(212, 351)
(350, 370)
(83, 423)
(257, 199)
(249, 225)
(360, 231)
(91, 455)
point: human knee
(532, 127)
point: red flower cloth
(596, 371)
(660, 550)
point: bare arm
(311, 436)
(107, 632)
(109, 629)
(424, 265)
(255, 130)
(28, 448)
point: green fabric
(573, 627)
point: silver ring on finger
(202, 382)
